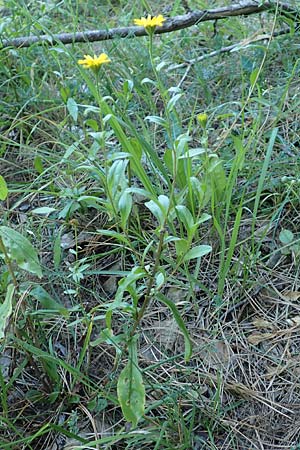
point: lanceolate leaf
(72, 108)
(3, 188)
(6, 309)
(197, 252)
(48, 302)
(180, 323)
(131, 390)
(20, 250)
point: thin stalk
(150, 283)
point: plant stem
(150, 283)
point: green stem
(148, 293)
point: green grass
(149, 256)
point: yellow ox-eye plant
(149, 23)
(94, 62)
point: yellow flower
(94, 62)
(150, 22)
(202, 119)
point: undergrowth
(149, 233)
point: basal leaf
(6, 309)
(72, 108)
(180, 323)
(20, 250)
(48, 302)
(131, 389)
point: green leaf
(48, 302)
(157, 120)
(116, 178)
(286, 237)
(254, 76)
(137, 165)
(185, 216)
(159, 208)
(181, 246)
(193, 152)
(134, 275)
(108, 337)
(72, 108)
(44, 210)
(38, 164)
(114, 234)
(57, 251)
(131, 389)
(197, 252)
(19, 249)
(180, 323)
(172, 102)
(217, 176)
(125, 205)
(92, 123)
(204, 217)
(3, 188)
(6, 309)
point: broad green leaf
(158, 120)
(180, 323)
(92, 123)
(181, 246)
(3, 188)
(159, 208)
(48, 302)
(254, 76)
(137, 166)
(204, 217)
(116, 178)
(131, 389)
(38, 164)
(125, 205)
(72, 108)
(286, 236)
(44, 210)
(114, 234)
(202, 191)
(197, 252)
(156, 211)
(6, 309)
(135, 274)
(70, 150)
(172, 102)
(148, 80)
(185, 216)
(160, 279)
(20, 250)
(193, 152)
(217, 177)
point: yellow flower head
(94, 62)
(202, 119)
(150, 22)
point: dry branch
(243, 8)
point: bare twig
(243, 8)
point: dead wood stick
(243, 8)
